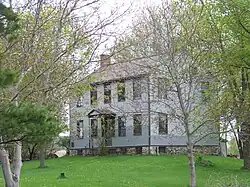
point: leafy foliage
(8, 26)
(7, 77)
(232, 147)
(8, 22)
(27, 121)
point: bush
(103, 150)
(200, 161)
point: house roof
(123, 70)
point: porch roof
(97, 112)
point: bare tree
(57, 42)
(171, 38)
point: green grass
(125, 171)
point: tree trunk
(17, 163)
(246, 153)
(191, 160)
(238, 141)
(246, 145)
(245, 126)
(42, 157)
(4, 157)
(31, 152)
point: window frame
(121, 91)
(95, 135)
(93, 92)
(79, 125)
(79, 102)
(107, 97)
(122, 130)
(137, 123)
(162, 88)
(137, 84)
(162, 128)
(204, 87)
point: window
(137, 124)
(94, 127)
(79, 102)
(137, 89)
(121, 126)
(80, 129)
(163, 124)
(162, 149)
(204, 88)
(72, 144)
(107, 93)
(138, 150)
(121, 91)
(93, 95)
(162, 89)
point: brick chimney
(104, 60)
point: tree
(29, 151)
(174, 38)
(54, 52)
(18, 123)
(229, 19)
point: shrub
(200, 161)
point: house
(125, 111)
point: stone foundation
(144, 150)
(73, 152)
(131, 151)
(169, 150)
(208, 150)
(177, 150)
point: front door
(108, 129)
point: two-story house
(125, 111)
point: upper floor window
(79, 102)
(107, 93)
(94, 127)
(137, 90)
(163, 123)
(137, 124)
(162, 88)
(121, 126)
(93, 95)
(79, 129)
(121, 90)
(204, 90)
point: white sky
(135, 6)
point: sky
(134, 6)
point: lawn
(126, 171)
